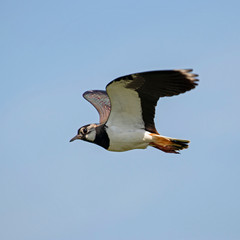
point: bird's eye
(84, 130)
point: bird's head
(86, 133)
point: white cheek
(91, 136)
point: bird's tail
(167, 144)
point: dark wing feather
(152, 85)
(100, 100)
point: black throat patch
(102, 138)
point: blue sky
(53, 51)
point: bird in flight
(127, 109)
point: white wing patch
(126, 111)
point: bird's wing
(100, 100)
(134, 97)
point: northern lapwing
(127, 110)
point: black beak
(76, 137)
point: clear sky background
(53, 51)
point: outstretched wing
(100, 100)
(134, 97)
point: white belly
(127, 139)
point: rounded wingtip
(189, 75)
